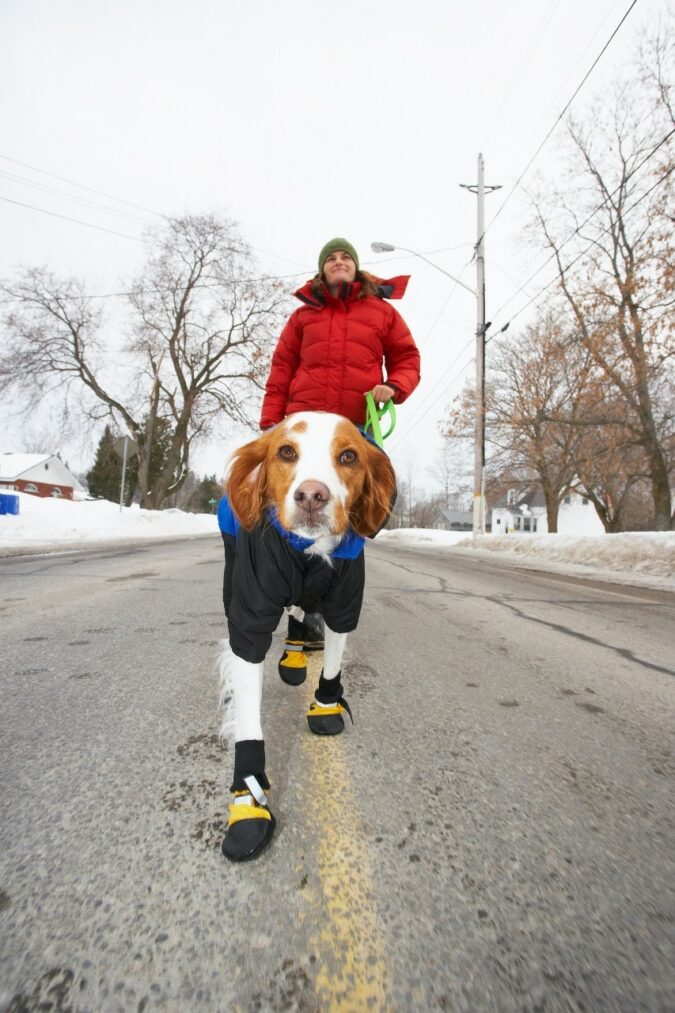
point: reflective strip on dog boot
(293, 664)
(326, 719)
(255, 789)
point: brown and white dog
(305, 493)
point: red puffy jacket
(331, 352)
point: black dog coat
(265, 573)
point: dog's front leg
(251, 823)
(325, 712)
(247, 681)
(332, 654)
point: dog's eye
(347, 457)
(286, 453)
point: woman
(334, 349)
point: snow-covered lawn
(59, 523)
(48, 525)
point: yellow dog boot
(301, 637)
(293, 663)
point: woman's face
(339, 267)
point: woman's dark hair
(369, 285)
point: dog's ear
(246, 482)
(371, 511)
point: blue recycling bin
(9, 504)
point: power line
(534, 298)
(599, 208)
(498, 114)
(67, 218)
(583, 252)
(559, 117)
(100, 193)
(23, 181)
(512, 191)
(82, 186)
(445, 303)
(155, 291)
(101, 228)
(417, 419)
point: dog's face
(320, 474)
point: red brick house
(39, 474)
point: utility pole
(481, 327)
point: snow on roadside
(641, 559)
(48, 523)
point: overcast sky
(302, 120)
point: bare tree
(608, 475)
(449, 470)
(609, 226)
(531, 404)
(200, 332)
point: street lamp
(481, 327)
(389, 248)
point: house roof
(45, 468)
(456, 515)
(14, 465)
(528, 498)
(459, 516)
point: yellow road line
(352, 966)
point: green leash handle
(373, 416)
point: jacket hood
(388, 288)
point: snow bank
(50, 523)
(644, 559)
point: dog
(303, 496)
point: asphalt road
(494, 833)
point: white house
(40, 474)
(525, 513)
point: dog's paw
(249, 830)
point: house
(40, 474)
(457, 520)
(524, 512)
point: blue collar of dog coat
(350, 546)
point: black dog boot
(324, 716)
(251, 824)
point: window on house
(31, 487)
(584, 501)
(511, 497)
(527, 524)
(567, 500)
(56, 492)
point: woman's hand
(382, 393)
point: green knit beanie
(332, 247)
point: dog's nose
(311, 496)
